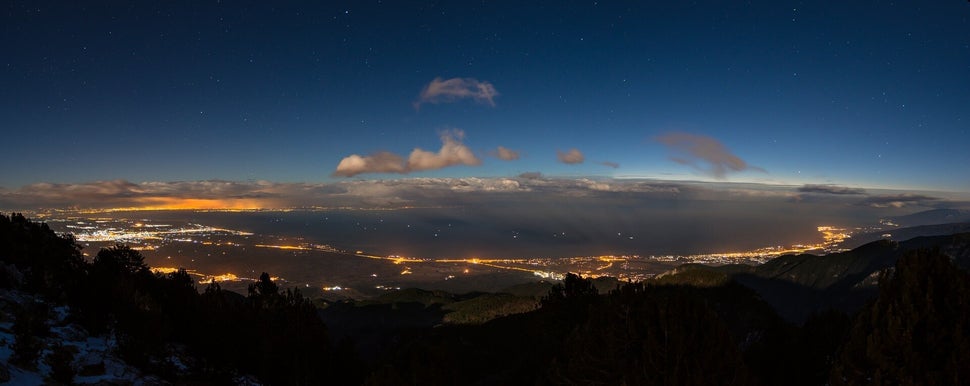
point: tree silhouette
(51, 265)
(641, 336)
(119, 260)
(573, 290)
(29, 328)
(916, 332)
(275, 335)
(60, 359)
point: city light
(146, 235)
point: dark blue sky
(871, 94)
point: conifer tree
(916, 332)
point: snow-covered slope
(93, 361)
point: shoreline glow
(146, 235)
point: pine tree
(61, 361)
(916, 332)
(29, 329)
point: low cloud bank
(830, 189)
(528, 187)
(899, 200)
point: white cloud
(453, 152)
(382, 162)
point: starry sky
(854, 94)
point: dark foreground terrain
(883, 313)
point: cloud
(453, 152)
(573, 156)
(613, 165)
(698, 150)
(382, 162)
(830, 189)
(898, 200)
(212, 194)
(505, 154)
(450, 90)
(531, 189)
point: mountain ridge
(799, 285)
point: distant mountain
(906, 233)
(932, 217)
(936, 222)
(799, 285)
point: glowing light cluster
(834, 235)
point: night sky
(864, 94)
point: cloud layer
(704, 154)
(391, 193)
(453, 152)
(529, 187)
(830, 189)
(899, 200)
(450, 90)
(146, 195)
(571, 157)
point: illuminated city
(211, 253)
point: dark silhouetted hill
(800, 285)
(916, 331)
